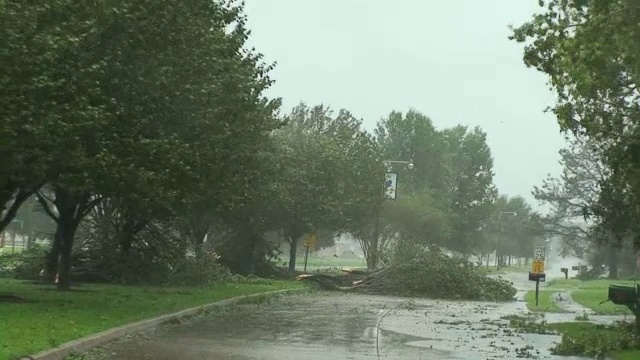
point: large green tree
(412, 137)
(590, 52)
(168, 107)
(319, 180)
(41, 80)
(471, 188)
(572, 196)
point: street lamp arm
(408, 163)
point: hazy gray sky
(450, 60)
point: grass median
(593, 294)
(545, 302)
(36, 317)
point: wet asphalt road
(345, 326)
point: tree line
(589, 51)
(142, 130)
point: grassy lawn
(50, 318)
(627, 355)
(317, 262)
(592, 293)
(545, 303)
(563, 284)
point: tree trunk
(372, 258)
(128, 231)
(67, 225)
(52, 258)
(373, 255)
(293, 248)
(67, 230)
(613, 262)
(71, 209)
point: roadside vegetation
(162, 162)
(35, 317)
(591, 294)
(582, 338)
(174, 169)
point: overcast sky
(450, 60)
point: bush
(25, 265)
(199, 272)
(597, 340)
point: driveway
(342, 326)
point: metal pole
(306, 257)
(537, 288)
(499, 243)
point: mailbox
(623, 295)
(566, 272)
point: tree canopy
(142, 130)
(590, 53)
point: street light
(499, 249)
(408, 163)
(389, 192)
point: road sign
(310, 240)
(538, 267)
(538, 253)
(390, 185)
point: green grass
(591, 293)
(9, 250)
(563, 284)
(52, 318)
(317, 262)
(545, 303)
(626, 355)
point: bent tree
(155, 111)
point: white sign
(390, 185)
(538, 252)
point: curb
(85, 344)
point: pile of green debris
(433, 275)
